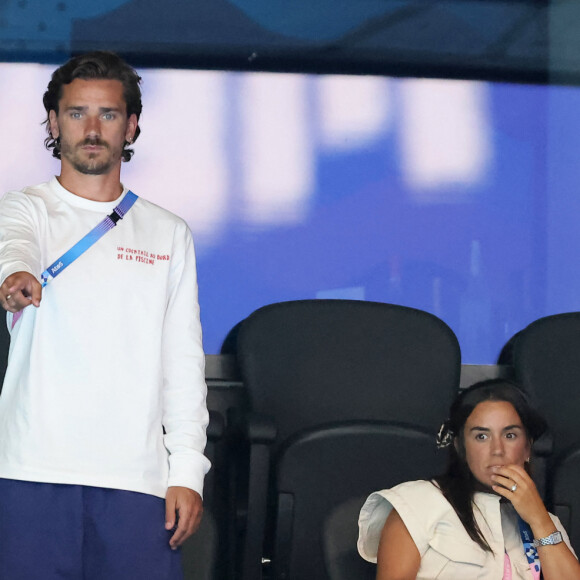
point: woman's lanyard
(529, 548)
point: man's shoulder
(28, 194)
(38, 188)
(160, 214)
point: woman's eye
(481, 436)
(511, 435)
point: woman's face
(494, 435)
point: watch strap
(552, 539)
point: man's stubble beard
(90, 166)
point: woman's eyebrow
(487, 429)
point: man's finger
(35, 293)
(196, 520)
(18, 301)
(181, 534)
(7, 303)
(13, 301)
(170, 514)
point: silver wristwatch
(554, 538)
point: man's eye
(75, 115)
(108, 116)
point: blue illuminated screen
(455, 197)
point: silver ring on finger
(514, 487)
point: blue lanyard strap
(93, 236)
(529, 548)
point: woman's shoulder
(410, 491)
(420, 504)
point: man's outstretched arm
(20, 254)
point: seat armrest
(216, 426)
(260, 429)
(258, 432)
(544, 446)
(542, 450)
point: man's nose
(93, 126)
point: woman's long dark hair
(458, 484)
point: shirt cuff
(188, 471)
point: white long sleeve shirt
(113, 356)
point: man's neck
(105, 187)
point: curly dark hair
(93, 66)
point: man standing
(102, 412)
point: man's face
(92, 125)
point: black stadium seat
(345, 397)
(546, 361)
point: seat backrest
(565, 495)
(325, 469)
(546, 362)
(309, 362)
(339, 536)
(357, 391)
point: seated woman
(483, 518)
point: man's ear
(53, 124)
(132, 124)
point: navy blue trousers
(73, 532)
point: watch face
(554, 538)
